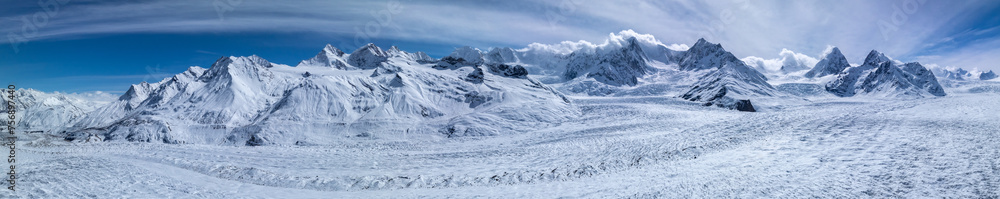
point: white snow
(619, 147)
(633, 124)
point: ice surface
(618, 147)
(394, 124)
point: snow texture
(394, 124)
(250, 101)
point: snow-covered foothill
(881, 76)
(250, 101)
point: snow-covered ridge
(730, 85)
(833, 63)
(955, 73)
(251, 101)
(883, 77)
(37, 111)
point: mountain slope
(704, 55)
(621, 67)
(879, 76)
(388, 94)
(47, 112)
(731, 85)
(831, 64)
(987, 75)
(328, 57)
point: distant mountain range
(376, 93)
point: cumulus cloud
(613, 41)
(787, 61)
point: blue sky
(88, 45)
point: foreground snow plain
(640, 147)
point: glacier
(631, 117)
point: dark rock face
(879, 75)
(501, 55)
(367, 57)
(745, 106)
(620, 67)
(475, 76)
(505, 70)
(988, 75)
(834, 63)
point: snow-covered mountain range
(376, 93)
(962, 74)
(367, 93)
(881, 76)
(37, 111)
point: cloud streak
(747, 28)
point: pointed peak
(367, 57)
(466, 52)
(371, 48)
(332, 50)
(702, 44)
(222, 61)
(875, 58)
(259, 61)
(632, 42)
(835, 51)
(393, 50)
(874, 52)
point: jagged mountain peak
(251, 61)
(468, 53)
(987, 75)
(876, 58)
(332, 50)
(835, 51)
(367, 57)
(833, 63)
(622, 66)
(704, 55)
(632, 43)
(704, 44)
(248, 103)
(731, 86)
(393, 49)
(501, 55)
(882, 77)
(462, 56)
(422, 57)
(328, 57)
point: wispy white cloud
(747, 28)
